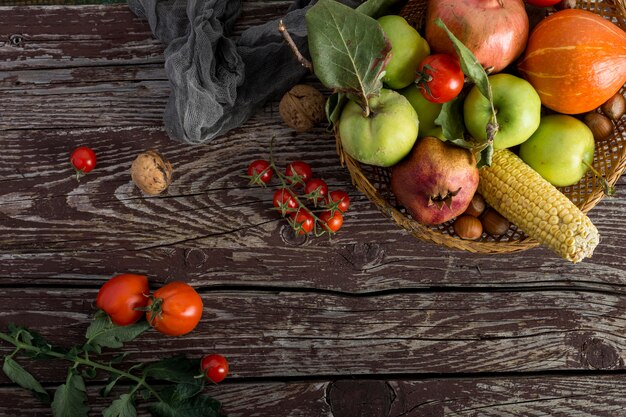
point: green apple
(518, 110)
(385, 136)
(560, 150)
(408, 49)
(426, 110)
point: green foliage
(103, 333)
(378, 8)
(70, 398)
(122, 407)
(199, 406)
(348, 48)
(23, 378)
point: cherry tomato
(304, 222)
(340, 197)
(121, 296)
(441, 78)
(298, 172)
(174, 309)
(83, 160)
(316, 188)
(260, 171)
(215, 367)
(284, 201)
(334, 222)
(543, 3)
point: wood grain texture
(370, 323)
(277, 334)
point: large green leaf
(23, 378)
(348, 48)
(103, 333)
(70, 398)
(199, 406)
(121, 407)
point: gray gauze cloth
(217, 80)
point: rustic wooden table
(371, 323)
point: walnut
(302, 107)
(151, 173)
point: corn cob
(521, 195)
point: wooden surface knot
(364, 256)
(195, 257)
(290, 237)
(599, 354)
(16, 40)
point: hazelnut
(468, 227)
(600, 125)
(476, 206)
(615, 107)
(494, 223)
(302, 107)
(151, 173)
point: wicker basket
(609, 160)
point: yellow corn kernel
(539, 209)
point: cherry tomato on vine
(543, 3)
(121, 296)
(215, 367)
(298, 172)
(83, 160)
(340, 197)
(334, 222)
(284, 200)
(440, 77)
(260, 171)
(174, 309)
(303, 222)
(316, 188)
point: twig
(301, 59)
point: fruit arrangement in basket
(474, 126)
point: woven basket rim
(433, 235)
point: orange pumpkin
(576, 60)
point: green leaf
(378, 8)
(177, 369)
(451, 121)
(109, 386)
(23, 378)
(70, 398)
(334, 106)
(349, 49)
(104, 333)
(485, 156)
(122, 407)
(199, 406)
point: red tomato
(284, 201)
(83, 160)
(441, 78)
(543, 3)
(334, 222)
(303, 221)
(121, 296)
(340, 197)
(316, 189)
(215, 367)
(174, 309)
(260, 171)
(298, 173)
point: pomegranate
(436, 182)
(495, 31)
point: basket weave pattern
(609, 160)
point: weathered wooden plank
(210, 220)
(554, 396)
(289, 334)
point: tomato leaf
(348, 48)
(23, 378)
(104, 333)
(177, 369)
(109, 386)
(198, 406)
(69, 398)
(121, 407)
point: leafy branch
(170, 386)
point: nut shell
(302, 107)
(151, 172)
(494, 223)
(600, 125)
(476, 206)
(615, 107)
(468, 227)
